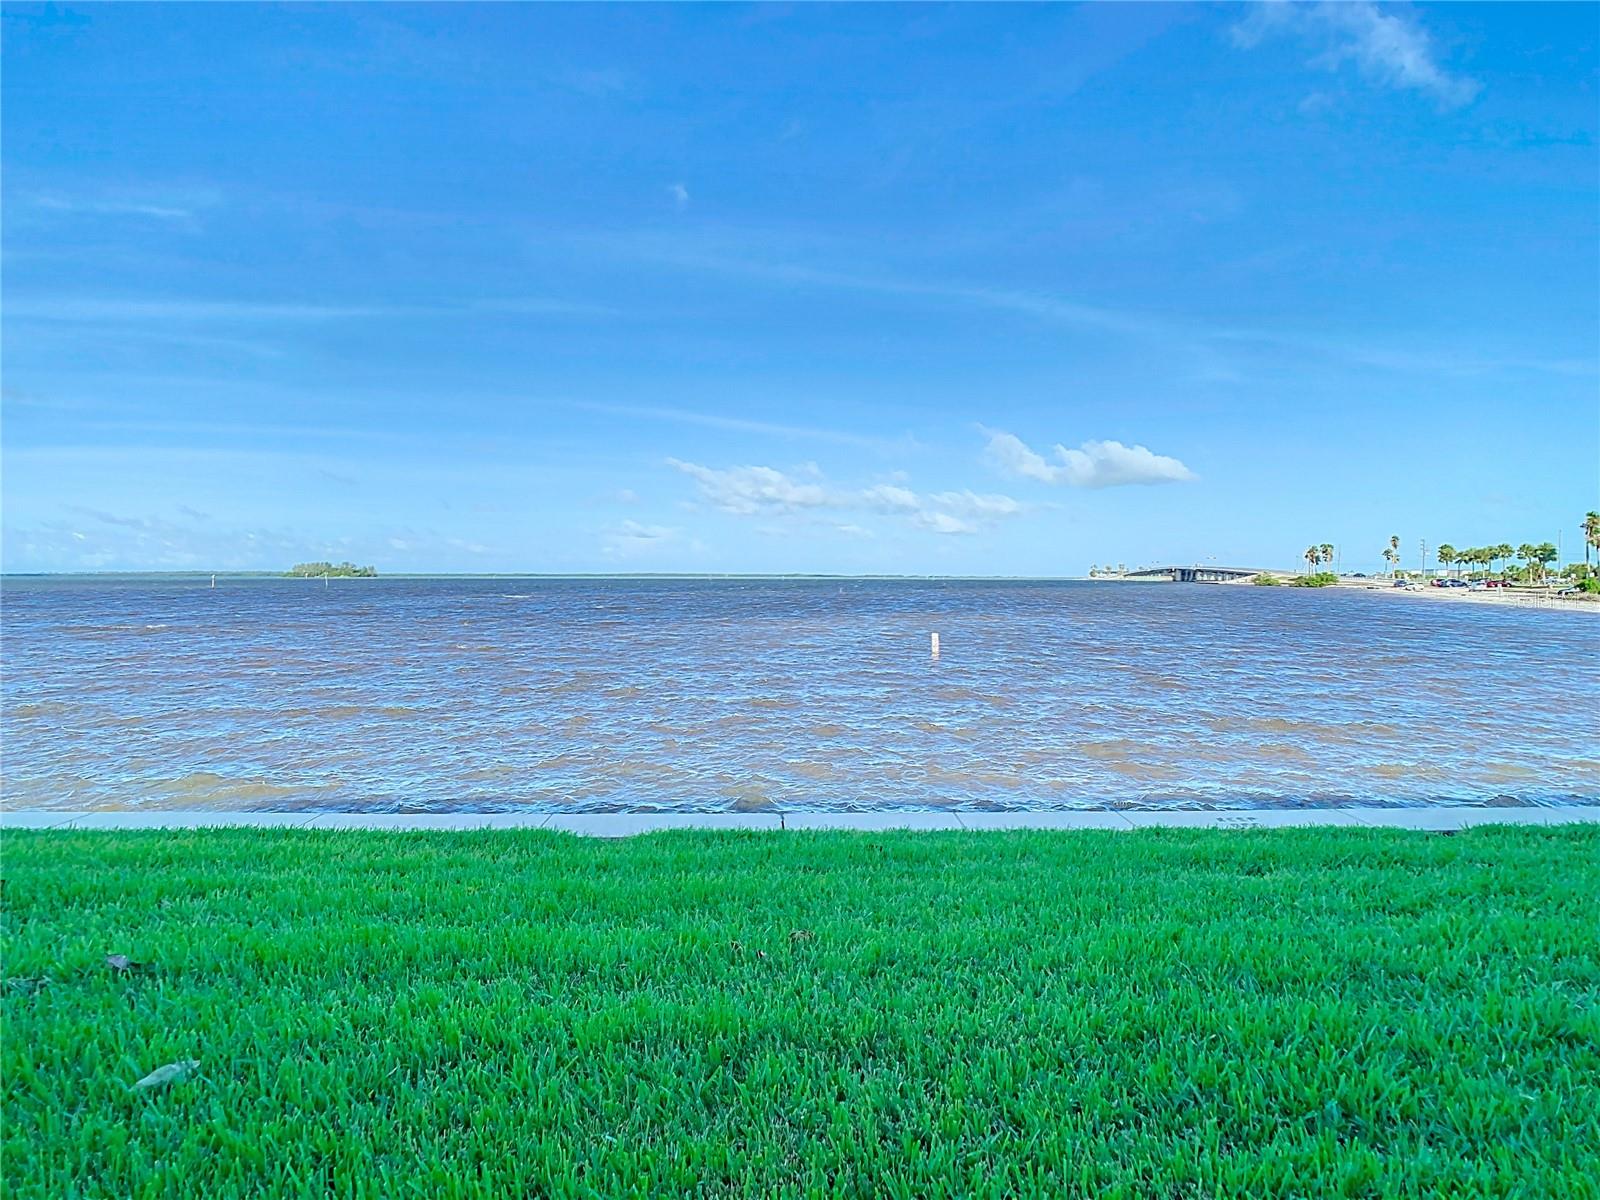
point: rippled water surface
(753, 694)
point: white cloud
(890, 498)
(1385, 47)
(679, 194)
(943, 522)
(750, 490)
(767, 491)
(972, 504)
(1092, 465)
(631, 539)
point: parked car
(1454, 583)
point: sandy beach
(1503, 597)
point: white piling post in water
(933, 642)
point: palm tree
(1591, 535)
(1390, 557)
(1394, 546)
(1503, 550)
(1544, 553)
(1327, 552)
(1447, 555)
(1529, 553)
(1312, 557)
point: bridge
(1198, 573)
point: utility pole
(1422, 560)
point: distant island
(342, 570)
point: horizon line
(248, 574)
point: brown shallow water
(601, 695)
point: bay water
(752, 694)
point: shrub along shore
(1160, 1013)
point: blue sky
(976, 290)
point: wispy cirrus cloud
(1385, 47)
(1201, 341)
(90, 309)
(159, 212)
(1095, 464)
(684, 416)
(134, 310)
(736, 256)
(596, 81)
(762, 491)
(172, 205)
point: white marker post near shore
(933, 642)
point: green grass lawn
(1164, 1013)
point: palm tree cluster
(1481, 556)
(1317, 555)
(1536, 557)
(1391, 553)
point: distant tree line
(1537, 559)
(344, 570)
(1496, 561)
